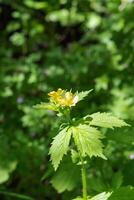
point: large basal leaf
(117, 180)
(66, 177)
(87, 140)
(124, 193)
(123, 136)
(59, 147)
(106, 120)
(97, 184)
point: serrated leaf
(60, 146)
(82, 95)
(87, 140)
(106, 120)
(66, 177)
(101, 196)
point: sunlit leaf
(106, 120)
(4, 175)
(35, 4)
(59, 147)
(87, 140)
(83, 94)
(46, 106)
(101, 196)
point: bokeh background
(69, 44)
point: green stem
(84, 180)
(67, 115)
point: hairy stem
(84, 180)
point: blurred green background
(49, 44)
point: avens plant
(85, 132)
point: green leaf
(124, 193)
(97, 184)
(6, 169)
(46, 106)
(117, 180)
(35, 5)
(82, 95)
(62, 15)
(122, 136)
(66, 177)
(18, 39)
(60, 146)
(87, 140)
(4, 175)
(74, 156)
(106, 120)
(101, 196)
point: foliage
(73, 44)
(86, 138)
(106, 120)
(60, 146)
(64, 178)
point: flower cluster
(63, 98)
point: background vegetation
(78, 44)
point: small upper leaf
(106, 120)
(87, 140)
(82, 95)
(59, 146)
(48, 106)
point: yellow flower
(63, 98)
(56, 95)
(69, 99)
